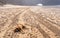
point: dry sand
(31, 21)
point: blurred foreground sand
(38, 22)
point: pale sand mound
(29, 22)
